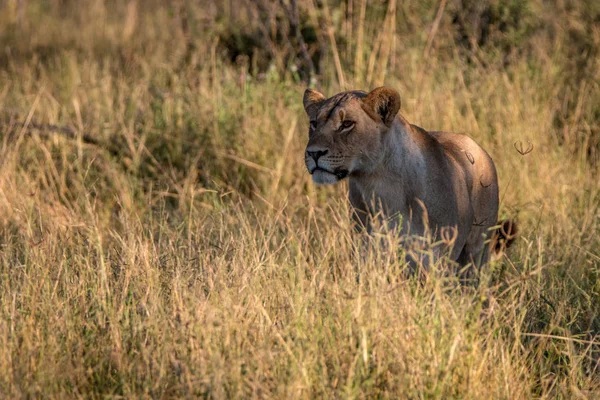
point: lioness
(436, 181)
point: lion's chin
(321, 177)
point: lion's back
(480, 173)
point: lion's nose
(316, 154)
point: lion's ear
(382, 103)
(311, 98)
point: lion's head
(346, 132)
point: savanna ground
(160, 237)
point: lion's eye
(347, 124)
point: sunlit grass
(189, 254)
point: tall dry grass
(187, 254)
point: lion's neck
(400, 177)
(404, 160)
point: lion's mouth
(338, 173)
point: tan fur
(437, 182)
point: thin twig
(336, 55)
(386, 44)
(65, 131)
(247, 163)
(483, 184)
(359, 56)
(430, 38)
(294, 19)
(434, 29)
(523, 151)
(541, 335)
(470, 157)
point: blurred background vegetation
(160, 237)
(340, 45)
